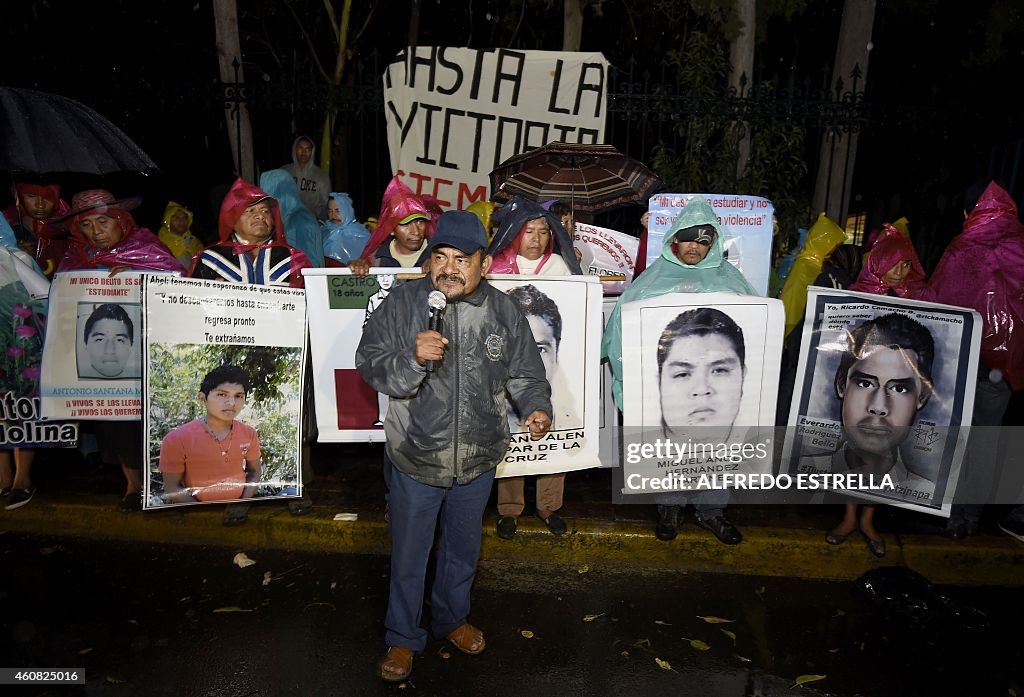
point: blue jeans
(414, 513)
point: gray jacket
(450, 425)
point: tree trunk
(572, 29)
(229, 57)
(839, 148)
(414, 23)
(741, 58)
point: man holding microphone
(446, 427)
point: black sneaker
(6, 490)
(668, 520)
(555, 524)
(300, 506)
(131, 503)
(725, 531)
(506, 527)
(19, 497)
(1013, 528)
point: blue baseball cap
(460, 229)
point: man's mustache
(451, 277)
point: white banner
(454, 114)
(223, 385)
(885, 386)
(745, 221)
(92, 354)
(699, 389)
(606, 253)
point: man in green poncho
(692, 261)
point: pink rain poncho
(890, 249)
(139, 249)
(983, 268)
(399, 202)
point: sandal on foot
(395, 665)
(837, 538)
(876, 547)
(468, 639)
(236, 514)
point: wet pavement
(144, 619)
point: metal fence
(644, 110)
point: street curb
(785, 552)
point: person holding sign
(530, 240)
(692, 261)
(525, 243)
(546, 325)
(253, 247)
(446, 428)
(883, 379)
(215, 457)
(104, 236)
(891, 268)
(403, 229)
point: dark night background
(943, 84)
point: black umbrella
(592, 178)
(46, 133)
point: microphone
(436, 302)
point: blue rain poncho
(667, 274)
(344, 241)
(300, 226)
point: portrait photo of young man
(884, 378)
(108, 349)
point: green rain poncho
(669, 275)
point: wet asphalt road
(187, 621)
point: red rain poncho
(139, 249)
(983, 268)
(398, 202)
(890, 249)
(240, 196)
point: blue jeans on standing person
(414, 515)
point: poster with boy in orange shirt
(213, 457)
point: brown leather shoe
(395, 665)
(468, 639)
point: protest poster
(564, 313)
(92, 355)
(348, 410)
(699, 389)
(746, 223)
(606, 253)
(455, 114)
(22, 316)
(223, 379)
(884, 387)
